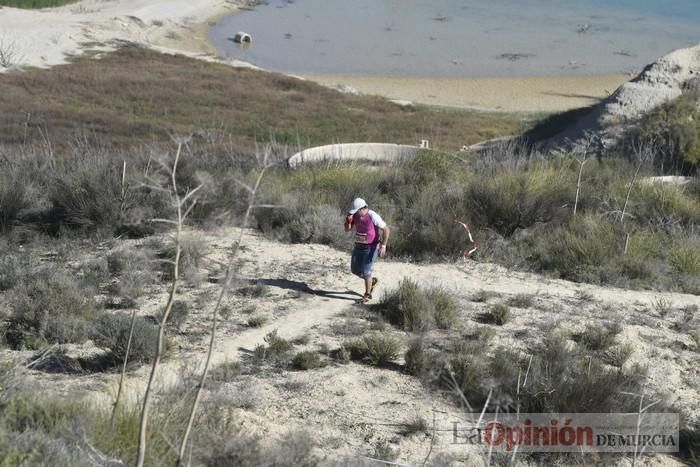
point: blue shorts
(363, 258)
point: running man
(371, 237)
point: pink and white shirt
(367, 226)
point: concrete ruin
(242, 38)
(365, 152)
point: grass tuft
(414, 309)
(376, 348)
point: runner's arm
(348, 223)
(384, 235)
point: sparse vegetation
(517, 202)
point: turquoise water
(468, 38)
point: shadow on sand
(304, 288)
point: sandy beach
(47, 37)
(536, 94)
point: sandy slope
(49, 37)
(352, 409)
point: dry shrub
(111, 332)
(498, 314)
(14, 197)
(307, 360)
(50, 307)
(599, 337)
(135, 268)
(86, 193)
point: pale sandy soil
(51, 36)
(351, 409)
(536, 94)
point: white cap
(357, 204)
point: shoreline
(51, 37)
(534, 94)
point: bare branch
(123, 375)
(143, 424)
(164, 221)
(190, 194)
(230, 272)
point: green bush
(444, 307)
(430, 166)
(179, 312)
(413, 309)
(599, 337)
(111, 332)
(517, 200)
(14, 197)
(696, 338)
(257, 321)
(580, 250)
(276, 351)
(685, 259)
(560, 379)
(35, 3)
(344, 354)
(377, 348)
(15, 267)
(407, 307)
(662, 204)
(306, 360)
(675, 128)
(86, 193)
(521, 300)
(135, 269)
(466, 375)
(499, 314)
(50, 307)
(483, 296)
(416, 358)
